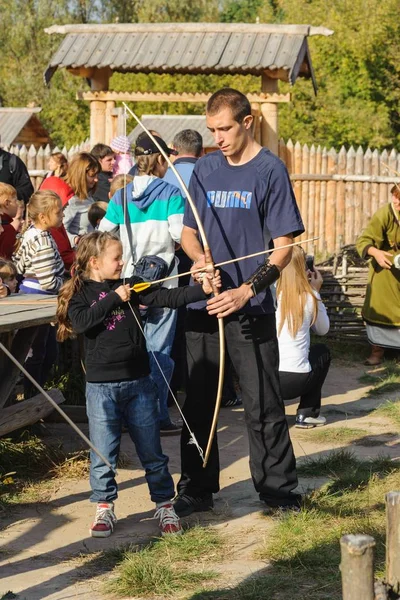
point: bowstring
(193, 439)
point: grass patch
(168, 566)
(386, 380)
(391, 410)
(27, 458)
(337, 435)
(303, 551)
(343, 465)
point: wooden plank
(28, 412)
(26, 310)
(273, 98)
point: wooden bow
(208, 260)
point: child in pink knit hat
(123, 160)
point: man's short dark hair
(100, 151)
(188, 141)
(229, 98)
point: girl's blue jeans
(134, 404)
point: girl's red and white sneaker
(170, 523)
(104, 521)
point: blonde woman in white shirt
(302, 369)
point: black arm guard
(265, 276)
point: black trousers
(308, 385)
(253, 349)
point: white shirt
(293, 352)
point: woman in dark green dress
(381, 243)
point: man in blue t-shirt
(246, 204)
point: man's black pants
(253, 349)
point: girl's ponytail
(70, 287)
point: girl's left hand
(210, 281)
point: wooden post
(330, 216)
(366, 199)
(318, 167)
(255, 111)
(357, 567)
(393, 540)
(383, 196)
(297, 169)
(99, 80)
(97, 122)
(304, 210)
(110, 124)
(374, 186)
(349, 222)
(340, 204)
(358, 194)
(392, 168)
(269, 112)
(322, 210)
(311, 195)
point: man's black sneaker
(186, 505)
(170, 429)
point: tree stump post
(393, 540)
(357, 567)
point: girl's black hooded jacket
(114, 345)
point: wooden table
(20, 314)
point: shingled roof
(187, 48)
(169, 125)
(22, 126)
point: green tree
(26, 50)
(357, 73)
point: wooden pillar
(110, 122)
(99, 81)
(97, 122)
(269, 112)
(255, 111)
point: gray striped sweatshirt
(39, 261)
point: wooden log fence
(37, 159)
(357, 560)
(337, 192)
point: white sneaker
(170, 523)
(309, 422)
(104, 521)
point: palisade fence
(36, 159)
(337, 192)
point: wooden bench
(20, 315)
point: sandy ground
(46, 551)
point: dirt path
(46, 551)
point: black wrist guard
(265, 276)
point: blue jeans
(133, 403)
(159, 329)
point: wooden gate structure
(95, 52)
